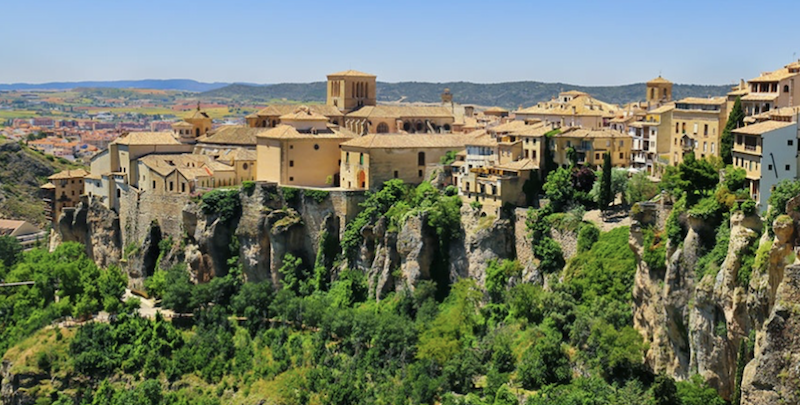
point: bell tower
(659, 90)
(200, 121)
(351, 89)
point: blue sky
(576, 42)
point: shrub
(248, 187)
(748, 207)
(222, 202)
(476, 205)
(655, 251)
(587, 236)
(290, 194)
(318, 196)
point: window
(676, 128)
(421, 159)
(695, 128)
(244, 166)
(420, 173)
(291, 178)
(597, 156)
(683, 127)
(769, 167)
(396, 174)
(786, 88)
(73, 192)
(705, 146)
(712, 147)
(291, 163)
(361, 158)
(705, 129)
(790, 142)
(183, 187)
(154, 184)
(171, 186)
(347, 158)
(621, 143)
(788, 167)
(291, 146)
(119, 193)
(621, 155)
(534, 154)
(316, 146)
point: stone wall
(138, 209)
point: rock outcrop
(96, 227)
(773, 376)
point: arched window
(786, 88)
(383, 128)
(421, 159)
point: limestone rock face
(764, 284)
(719, 319)
(773, 376)
(483, 239)
(96, 227)
(416, 245)
(14, 387)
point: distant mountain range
(154, 84)
(508, 95)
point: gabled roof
(69, 174)
(199, 114)
(409, 141)
(763, 127)
(147, 138)
(232, 135)
(281, 109)
(284, 131)
(351, 73)
(405, 111)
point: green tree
(572, 156)
(640, 188)
(735, 120)
(505, 396)
(558, 188)
(664, 391)
(605, 197)
(10, 251)
(544, 362)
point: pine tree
(606, 197)
(735, 120)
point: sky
(581, 42)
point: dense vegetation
(319, 338)
(508, 95)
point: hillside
(509, 95)
(22, 171)
(154, 84)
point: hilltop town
(354, 143)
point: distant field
(11, 114)
(135, 110)
(216, 113)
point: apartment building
(698, 125)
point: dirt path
(613, 220)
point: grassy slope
(22, 172)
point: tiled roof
(406, 141)
(181, 124)
(760, 97)
(582, 105)
(704, 101)
(483, 140)
(232, 135)
(775, 76)
(663, 109)
(351, 73)
(147, 138)
(406, 111)
(522, 164)
(592, 133)
(69, 174)
(659, 80)
(495, 110)
(303, 113)
(199, 114)
(8, 226)
(48, 186)
(762, 127)
(281, 109)
(289, 132)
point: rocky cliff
(696, 322)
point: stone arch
(418, 126)
(383, 128)
(406, 127)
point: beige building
(351, 89)
(368, 161)
(63, 191)
(383, 119)
(270, 116)
(26, 233)
(590, 146)
(697, 127)
(303, 151)
(495, 186)
(770, 90)
(571, 109)
(182, 173)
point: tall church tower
(350, 90)
(659, 90)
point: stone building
(697, 127)
(302, 151)
(770, 90)
(571, 109)
(659, 91)
(370, 160)
(590, 145)
(63, 191)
